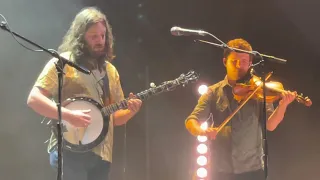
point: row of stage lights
(203, 152)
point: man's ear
(224, 62)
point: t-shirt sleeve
(48, 78)
(202, 109)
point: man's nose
(238, 65)
(99, 39)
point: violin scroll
(304, 100)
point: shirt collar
(225, 82)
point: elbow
(189, 124)
(271, 127)
(117, 123)
(30, 100)
(273, 123)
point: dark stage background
(157, 146)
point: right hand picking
(79, 118)
(211, 133)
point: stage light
(202, 138)
(202, 160)
(204, 125)
(202, 89)
(202, 172)
(202, 148)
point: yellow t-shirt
(76, 83)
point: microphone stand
(253, 53)
(263, 76)
(59, 66)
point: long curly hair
(74, 40)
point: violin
(253, 89)
(273, 91)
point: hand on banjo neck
(133, 103)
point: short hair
(238, 43)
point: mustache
(99, 45)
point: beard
(93, 56)
(96, 52)
(236, 74)
(245, 77)
(242, 74)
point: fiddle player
(237, 150)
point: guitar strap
(106, 88)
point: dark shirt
(238, 146)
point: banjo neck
(144, 95)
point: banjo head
(82, 139)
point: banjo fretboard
(164, 87)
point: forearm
(44, 106)
(122, 116)
(193, 126)
(276, 117)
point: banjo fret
(144, 95)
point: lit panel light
(202, 172)
(202, 148)
(202, 160)
(202, 138)
(202, 89)
(204, 125)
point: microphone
(178, 31)
(3, 25)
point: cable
(6, 23)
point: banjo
(83, 139)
